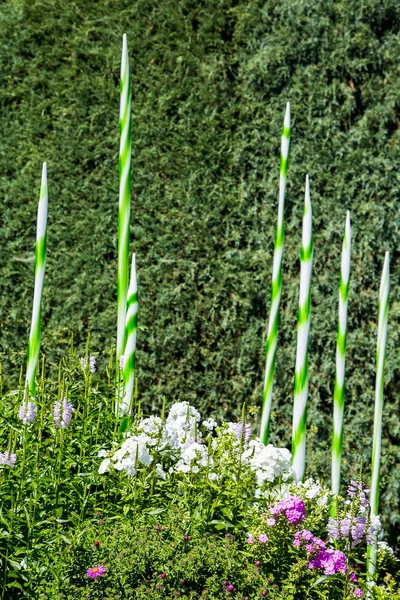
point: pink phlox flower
(271, 522)
(95, 572)
(358, 593)
(320, 544)
(293, 508)
(353, 577)
(263, 538)
(312, 543)
(250, 539)
(332, 561)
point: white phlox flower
(193, 457)
(268, 462)
(151, 425)
(160, 471)
(104, 466)
(181, 425)
(384, 550)
(209, 424)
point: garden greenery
(177, 505)
(210, 80)
(206, 82)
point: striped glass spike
(338, 401)
(40, 267)
(125, 151)
(303, 329)
(130, 347)
(276, 285)
(383, 313)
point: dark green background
(210, 80)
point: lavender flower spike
(92, 363)
(8, 459)
(27, 412)
(62, 413)
(239, 432)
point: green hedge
(210, 79)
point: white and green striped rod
(338, 400)
(130, 347)
(383, 312)
(276, 285)
(303, 329)
(125, 151)
(40, 266)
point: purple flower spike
(8, 459)
(239, 431)
(27, 412)
(62, 413)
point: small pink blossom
(95, 572)
(263, 538)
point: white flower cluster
(314, 491)
(192, 458)
(133, 451)
(384, 550)
(174, 440)
(176, 446)
(268, 462)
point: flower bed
(177, 506)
